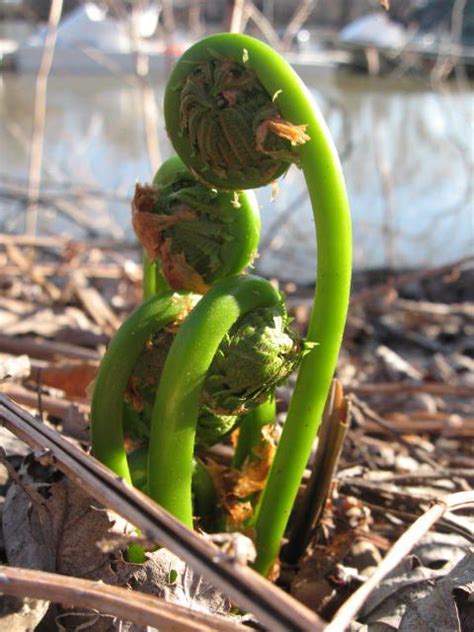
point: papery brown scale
(178, 273)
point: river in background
(407, 154)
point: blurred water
(407, 155)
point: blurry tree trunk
(39, 117)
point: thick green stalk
(115, 370)
(177, 403)
(319, 161)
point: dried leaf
(47, 530)
(11, 444)
(72, 378)
(21, 615)
(420, 598)
(166, 576)
(235, 487)
(48, 322)
(57, 527)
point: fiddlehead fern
(318, 159)
(232, 132)
(180, 392)
(257, 354)
(197, 234)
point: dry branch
(370, 293)
(143, 609)
(45, 349)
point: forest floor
(407, 368)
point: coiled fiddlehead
(233, 134)
(197, 234)
(141, 391)
(258, 353)
(318, 159)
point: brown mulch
(407, 365)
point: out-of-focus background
(81, 90)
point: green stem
(250, 431)
(177, 403)
(328, 196)
(149, 277)
(205, 497)
(115, 369)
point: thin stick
(262, 23)
(142, 609)
(370, 293)
(400, 549)
(39, 116)
(274, 608)
(236, 20)
(399, 388)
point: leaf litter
(408, 365)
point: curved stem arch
(107, 435)
(178, 400)
(323, 174)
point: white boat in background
(90, 41)
(375, 29)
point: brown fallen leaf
(72, 378)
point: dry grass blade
(274, 608)
(399, 550)
(143, 609)
(330, 441)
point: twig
(39, 116)
(142, 609)
(63, 409)
(147, 96)
(392, 430)
(28, 268)
(302, 13)
(236, 20)
(94, 304)
(58, 242)
(330, 440)
(370, 293)
(272, 606)
(264, 25)
(448, 425)
(400, 549)
(401, 388)
(45, 349)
